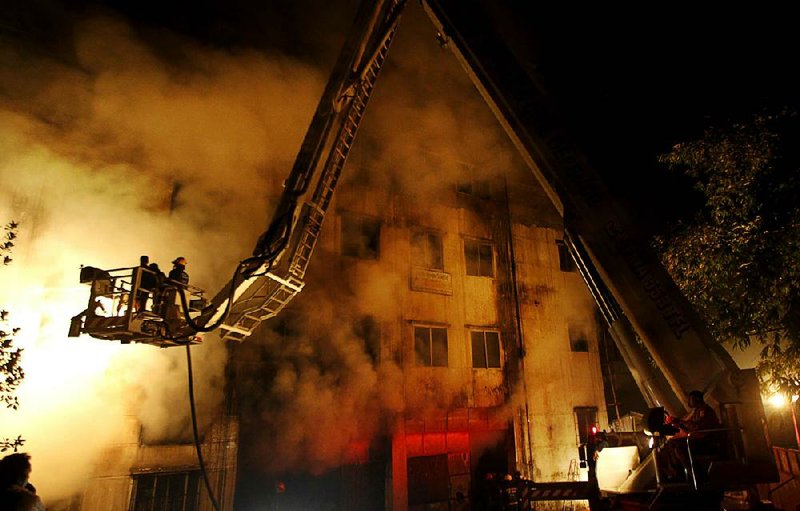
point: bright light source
(594, 430)
(794, 398)
(777, 400)
(650, 442)
(614, 465)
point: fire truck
(666, 346)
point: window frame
(579, 413)
(479, 243)
(485, 331)
(431, 356)
(191, 496)
(426, 264)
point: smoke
(311, 391)
(118, 143)
(427, 127)
(110, 148)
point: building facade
(471, 294)
(136, 476)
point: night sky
(633, 87)
(629, 83)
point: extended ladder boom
(284, 250)
(265, 283)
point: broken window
(426, 250)
(430, 346)
(176, 491)
(485, 349)
(480, 258)
(361, 236)
(565, 261)
(585, 418)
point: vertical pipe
(518, 320)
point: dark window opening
(368, 330)
(361, 237)
(430, 346)
(481, 189)
(585, 417)
(173, 492)
(426, 250)
(577, 340)
(485, 349)
(480, 258)
(565, 261)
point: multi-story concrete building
(473, 298)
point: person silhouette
(16, 492)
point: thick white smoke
(111, 152)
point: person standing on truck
(147, 284)
(691, 428)
(159, 278)
(178, 278)
(510, 493)
(488, 494)
(178, 271)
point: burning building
(443, 333)
(439, 339)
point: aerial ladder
(266, 282)
(667, 347)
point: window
(485, 349)
(430, 345)
(175, 492)
(361, 237)
(585, 418)
(565, 261)
(480, 258)
(577, 340)
(481, 189)
(426, 250)
(367, 329)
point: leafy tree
(11, 373)
(738, 259)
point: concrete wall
(112, 484)
(539, 385)
(557, 379)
